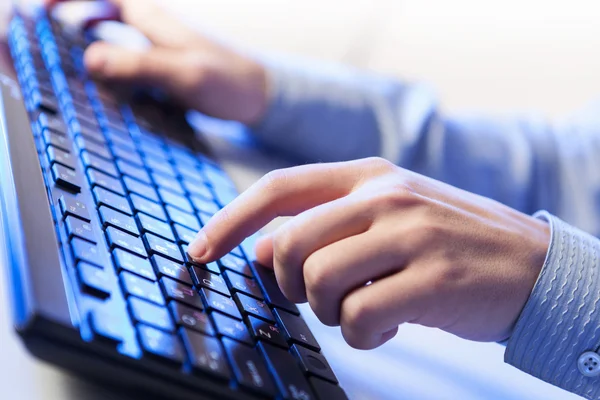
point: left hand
(373, 246)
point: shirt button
(589, 364)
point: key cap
(56, 124)
(251, 306)
(236, 264)
(66, 178)
(224, 194)
(262, 330)
(148, 207)
(56, 155)
(79, 228)
(184, 234)
(168, 183)
(271, 290)
(92, 147)
(105, 181)
(120, 239)
(237, 251)
(105, 327)
(191, 318)
(93, 281)
(105, 198)
(150, 314)
(205, 354)
(92, 161)
(110, 217)
(208, 280)
(44, 102)
(134, 172)
(212, 267)
(57, 140)
(198, 190)
(249, 369)
(205, 206)
(160, 167)
(296, 330)
(285, 371)
(85, 251)
(326, 390)
(134, 186)
(232, 328)
(142, 288)
(313, 363)
(160, 345)
(242, 284)
(127, 155)
(171, 269)
(70, 206)
(162, 247)
(218, 302)
(155, 226)
(188, 220)
(129, 262)
(182, 293)
(175, 200)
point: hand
(200, 73)
(373, 246)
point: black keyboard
(102, 191)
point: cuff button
(589, 364)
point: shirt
(325, 112)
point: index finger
(283, 192)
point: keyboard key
(85, 251)
(127, 155)
(249, 368)
(242, 284)
(180, 292)
(120, 239)
(271, 290)
(79, 228)
(231, 328)
(198, 190)
(191, 318)
(218, 302)
(148, 207)
(66, 178)
(92, 161)
(326, 390)
(160, 167)
(142, 288)
(205, 354)
(224, 194)
(110, 217)
(134, 186)
(54, 123)
(57, 140)
(183, 218)
(56, 155)
(208, 280)
(105, 198)
(262, 330)
(254, 307)
(313, 363)
(70, 206)
(105, 181)
(105, 327)
(168, 183)
(171, 269)
(153, 225)
(212, 266)
(161, 345)
(296, 330)
(175, 200)
(93, 280)
(184, 234)
(92, 147)
(239, 265)
(137, 265)
(287, 375)
(44, 102)
(134, 172)
(150, 314)
(157, 245)
(205, 206)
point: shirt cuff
(560, 321)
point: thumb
(156, 66)
(264, 250)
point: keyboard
(102, 190)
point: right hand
(200, 73)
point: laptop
(101, 191)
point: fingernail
(198, 247)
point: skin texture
(370, 245)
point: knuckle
(356, 314)
(284, 243)
(319, 278)
(274, 181)
(393, 197)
